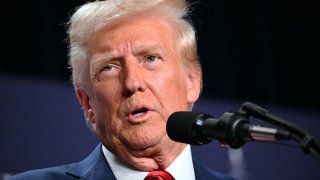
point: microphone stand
(308, 143)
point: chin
(145, 142)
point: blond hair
(90, 15)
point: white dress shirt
(180, 168)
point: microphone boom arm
(307, 142)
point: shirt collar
(180, 168)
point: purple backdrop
(42, 125)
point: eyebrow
(145, 49)
(96, 62)
(103, 58)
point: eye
(152, 62)
(151, 58)
(108, 68)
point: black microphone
(232, 129)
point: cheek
(106, 103)
(107, 91)
(104, 96)
(171, 85)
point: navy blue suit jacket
(96, 167)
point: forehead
(136, 31)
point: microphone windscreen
(180, 127)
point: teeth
(138, 114)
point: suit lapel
(204, 173)
(95, 166)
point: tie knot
(159, 175)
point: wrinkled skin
(137, 79)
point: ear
(84, 100)
(194, 86)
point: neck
(151, 158)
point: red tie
(159, 175)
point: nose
(133, 78)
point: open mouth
(139, 112)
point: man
(133, 64)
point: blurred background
(261, 51)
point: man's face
(137, 79)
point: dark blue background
(42, 125)
(262, 51)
